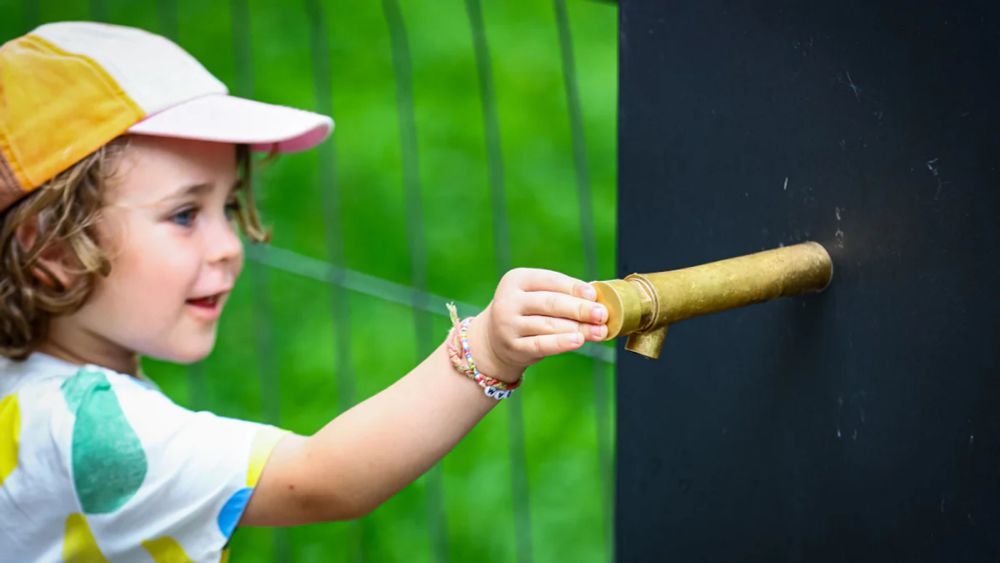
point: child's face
(174, 256)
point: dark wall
(861, 424)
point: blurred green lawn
(568, 517)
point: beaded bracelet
(465, 365)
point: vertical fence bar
(418, 253)
(330, 198)
(263, 318)
(491, 128)
(501, 245)
(598, 369)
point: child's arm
(376, 448)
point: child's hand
(534, 314)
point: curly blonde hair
(66, 212)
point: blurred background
(472, 137)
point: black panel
(862, 424)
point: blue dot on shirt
(230, 514)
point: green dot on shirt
(109, 463)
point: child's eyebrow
(199, 189)
(194, 189)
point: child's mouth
(208, 307)
(209, 302)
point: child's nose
(223, 243)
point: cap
(68, 88)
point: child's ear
(50, 268)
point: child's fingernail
(599, 331)
(587, 291)
(600, 313)
(576, 338)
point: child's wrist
(461, 351)
(486, 358)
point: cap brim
(228, 119)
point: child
(123, 167)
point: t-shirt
(97, 465)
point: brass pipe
(642, 306)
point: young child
(124, 166)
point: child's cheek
(161, 265)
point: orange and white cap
(68, 88)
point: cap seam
(6, 152)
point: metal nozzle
(643, 305)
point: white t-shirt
(96, 465)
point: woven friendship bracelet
(460, 354)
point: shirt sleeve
(153, 479)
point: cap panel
(57, 107)
(151, 69)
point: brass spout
(643, 305)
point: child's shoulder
(38, 371)
(31, 395)
(55, 383)
(56, 408)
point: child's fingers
(551, 304)
(549, 344)
(585, 290)
(531, 279)
(534, 325)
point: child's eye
(184, 217)
(233, 208)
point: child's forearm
(401, 432)
(367, 454)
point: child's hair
(65, 212)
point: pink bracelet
(458, 336)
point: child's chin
(190, 354)
(193, 358)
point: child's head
(123, 167)
(112, 251)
